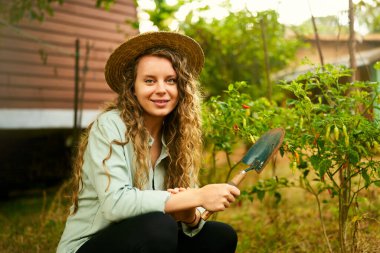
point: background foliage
(234, 49)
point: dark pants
(157, 232)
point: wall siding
(37, 60)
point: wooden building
(37, 63)
(335, 51)
(51, 80)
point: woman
(137, 163)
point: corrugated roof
(363, 58)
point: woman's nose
(161, 86)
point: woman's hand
(212, 197)
(218, 197)
(188, 215)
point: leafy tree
(328, 25)
(163, 14)
(368, 13)
(234, 49)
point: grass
(34, 222)
(294, 226)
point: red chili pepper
(297, 157)
(245, 106)
(316, 138)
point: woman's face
(156, 87)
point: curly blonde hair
(181, 129)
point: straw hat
(127, 52)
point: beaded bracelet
(195, 221)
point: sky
(291, 12)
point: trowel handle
(238, 178)
(235, 182)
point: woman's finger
(173, 191)
(234, 190)
(230, 198)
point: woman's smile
(160, 102)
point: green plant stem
(322, 222)
(370, 105)
(355, 193)
(310, 189)
(229, 166)
(359, 172)
(354, 245)
(332, 179)
(213, 168)
(344, 200)
(337, 170)
(341, 224)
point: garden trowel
(257, 157)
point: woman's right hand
(217, 197)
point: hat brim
(127, 52)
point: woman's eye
(149, 81)
(172, 81)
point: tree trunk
(317, 41)
(352, 40)
(266, 59)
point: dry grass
(34, 223)
(294, 225)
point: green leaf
(315, 160)
(260, 195)
(353, 156)
(324, 165)
(366, 178)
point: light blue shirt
(97, 207)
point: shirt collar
(151, 140)
(164, 150)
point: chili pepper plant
(234, 119)
(331, 140)
(334, 144)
